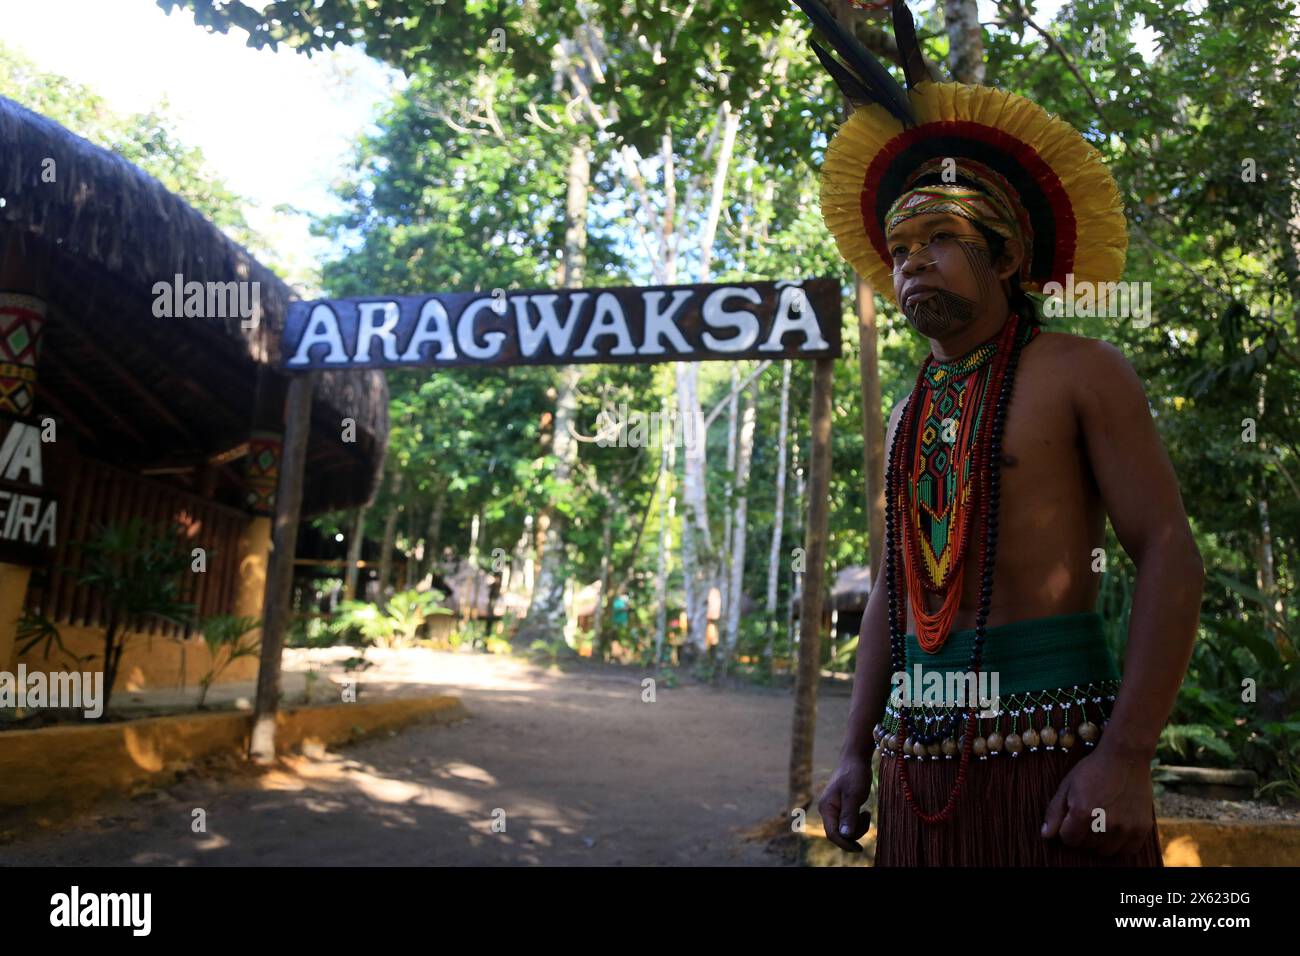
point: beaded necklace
(941, 480)
(984, 472)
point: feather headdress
(1063, 199)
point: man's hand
(842, 817)
(1117, 783)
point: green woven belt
(1032, 655)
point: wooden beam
(109, 362)
(74, 381)
(279, 571)
(48, 397)
(158, 339)
(229, 455)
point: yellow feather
(1101, 243)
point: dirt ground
(554, 768)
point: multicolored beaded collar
(940, 498)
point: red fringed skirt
(1000, 811)
(997, 819)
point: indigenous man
(1004, 462)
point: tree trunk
(408, 569)
(1273, 607)
(965, 42)
(110, 659)
(699, 560)
(666, 507)
(873, 436)
(390, 536)
(796, 589)
(739, 528)
(471, 585)
(546, 617)
(433, 534)
(778, 519)
(599, 645)
(279, 570)
(873, 426)
(733, 419)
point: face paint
(945, 310)
(976, 250)
(938, 312)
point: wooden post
(810, 607)
(23, 304)
(873, 432)
(279, 576)
(354, 554)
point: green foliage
(140, 572)
(1185, 740)
(439, 199)
(1287, 788)
(36, 629)
(311, 632)
(148, 139)
(393, 624)
(229, 634)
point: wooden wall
(91, 494)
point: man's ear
(1013, 253)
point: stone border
(56, 771)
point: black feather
(852, 88)
(875, 80)
(909, 49)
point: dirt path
(580, 769)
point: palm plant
(140, 574)
(226, 631)
(395, 623)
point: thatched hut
(171, 415)
(848, 599)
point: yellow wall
(13, 589)
(149, 662)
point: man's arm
(850, 785)
(1140, 492)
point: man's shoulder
(1078, 353)
(1092, 374)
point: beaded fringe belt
(1054, 678)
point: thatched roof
(852, 588)
(104, 232)
(471, 589)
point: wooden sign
(623, 325)
(28, 512)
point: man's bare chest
(1044, 476)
